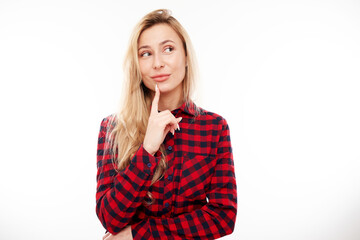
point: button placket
(168, 185)
(169, 172)
(168, 178)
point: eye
(169, 49)
(145, 54)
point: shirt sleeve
(215, 219)
(119, 194)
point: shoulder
(108, 123)
(209, 116)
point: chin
(163, 87)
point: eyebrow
(162, 43)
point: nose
(158, 62)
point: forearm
(120, 194)
(210, 222)
(213, 220)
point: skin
(160, 52)
(125, 234)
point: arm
(213, 220)
(119, 194)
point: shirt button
(170, 177)
(169, 148)
(166, 204)
(149, 165)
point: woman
(165, 166)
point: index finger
(155, 102)
(106, 235)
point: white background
(285, 74)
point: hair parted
(129, 124)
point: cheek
(144, 68)
(180, 65)
(181, 68)
(144, 71)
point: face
(162, 59)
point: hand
(125, 234)
(160, 123)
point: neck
(167, 101)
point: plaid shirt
(196, 199)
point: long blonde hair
(129, 124)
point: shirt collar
(190, 108)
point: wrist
(149, 150)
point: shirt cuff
(144, 161)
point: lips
(160, 77)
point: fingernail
(173, 132)
(156, 87)
(178, 127)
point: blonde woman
(165, 166)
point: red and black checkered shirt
(196, 199)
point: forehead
(157, 34)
